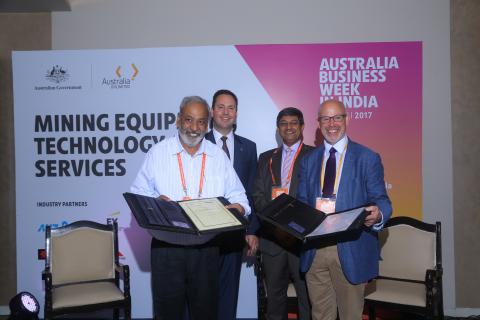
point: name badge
(276, 191)
(326, 205)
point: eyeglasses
(336, 118)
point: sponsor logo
(123, 77)
(43, 226)
(59, 76)
(111, 218)
(42, 254)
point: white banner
(83, 122)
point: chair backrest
(81, 251)
(408, 248)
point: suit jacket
(361, 183)
(262, 187)
(245, 165)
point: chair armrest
(433, 283)
(125, 271)
(432, 276)
(119, 268)
(47, 276)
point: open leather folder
(198, 216)
(306, 223)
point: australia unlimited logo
(123, 79)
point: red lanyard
(182, 175)
(291, 166)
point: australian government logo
(124, 77)
(58, 76)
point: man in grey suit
(278, 173)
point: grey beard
(190, 141)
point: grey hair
(194, 99)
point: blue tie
(330, 171)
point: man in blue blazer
(338, 269)
(243, 154)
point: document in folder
(304, 222)
(192, 216)
(208, 214)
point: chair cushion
(408, 293)
(74, 295)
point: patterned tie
(330, 171)
(224, 146)
(287, 163)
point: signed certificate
(209, 214)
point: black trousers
(184, 277)
(279, 269)
(230, 264)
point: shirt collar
(339, 146)
(217, 135)
(294, 147)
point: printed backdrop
(84, 120)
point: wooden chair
(82, 272)
(410, 277)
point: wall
(466, 149)
(19, 32)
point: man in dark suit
(278, 173)
(338, 175)
(243, 153)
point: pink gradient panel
(391, 123)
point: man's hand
(252, 244)
(236, 206)
(373, 217)
(165, 198)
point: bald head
(330, 102)
(332, 120)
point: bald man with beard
(183, 167)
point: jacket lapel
(316, 174)
(296, 171)
(344, 195)
(277, 166)
(238, 152)
(209, 136)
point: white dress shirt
(340, 147)
(160, 175)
